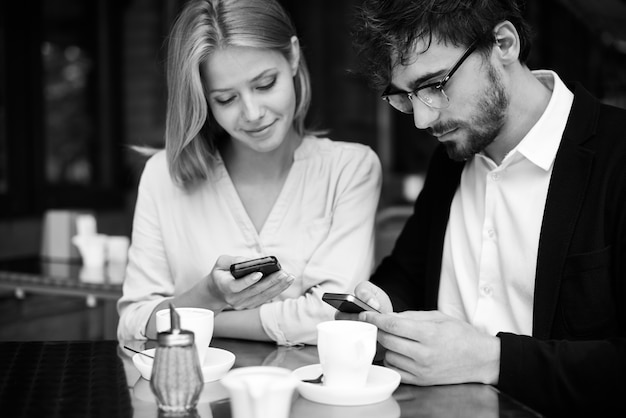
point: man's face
(478, 99)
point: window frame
(28, 193)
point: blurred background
(82, 80)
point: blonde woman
(242, 177)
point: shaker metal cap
(175, 336)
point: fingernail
(291, 278)
(257, 276)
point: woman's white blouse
(321, 228)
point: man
(511, 270)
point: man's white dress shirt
(491, 243)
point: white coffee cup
(92, 249)
(197, 320)
(346, 350)
(260, 391)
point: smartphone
(347, 303)
(266, 265)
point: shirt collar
(541, 143)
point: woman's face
(251, 94)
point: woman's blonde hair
(191, 132)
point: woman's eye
(267, 85)
(224, 100)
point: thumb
(370, 294)
(224, 261)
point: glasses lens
(400, 102)
(431, 97)
(434, 97)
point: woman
(240, 178)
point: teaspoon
(317, 380)
(138, 352)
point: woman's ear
(295, 55)
(507, 42)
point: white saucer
(381, 382)
(216, 363)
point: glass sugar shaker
(176, 374)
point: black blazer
(575, 361)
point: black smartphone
(266, 265)
(347, 303)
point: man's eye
(431, 91)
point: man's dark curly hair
(386, 30)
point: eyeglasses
(431, 94)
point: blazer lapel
(570, 177)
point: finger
(265, 290)
(408, 348)
(399, 360)
(413, 371)
(268, 282)
(423, 315)
(224, 261)
(263, 297)
(257, 300)
(405, 375)
(394, 324)
(239, 285)
(254, 279)
(369, 293)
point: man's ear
(507, 41)
(295, 55)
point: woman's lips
(259, 130)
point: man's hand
(373, 296)
(430, 348)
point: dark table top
(63, 379)
(98, 379)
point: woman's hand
(245, 293)
(220, 290)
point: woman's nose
(251, 108)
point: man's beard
(484, 127)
